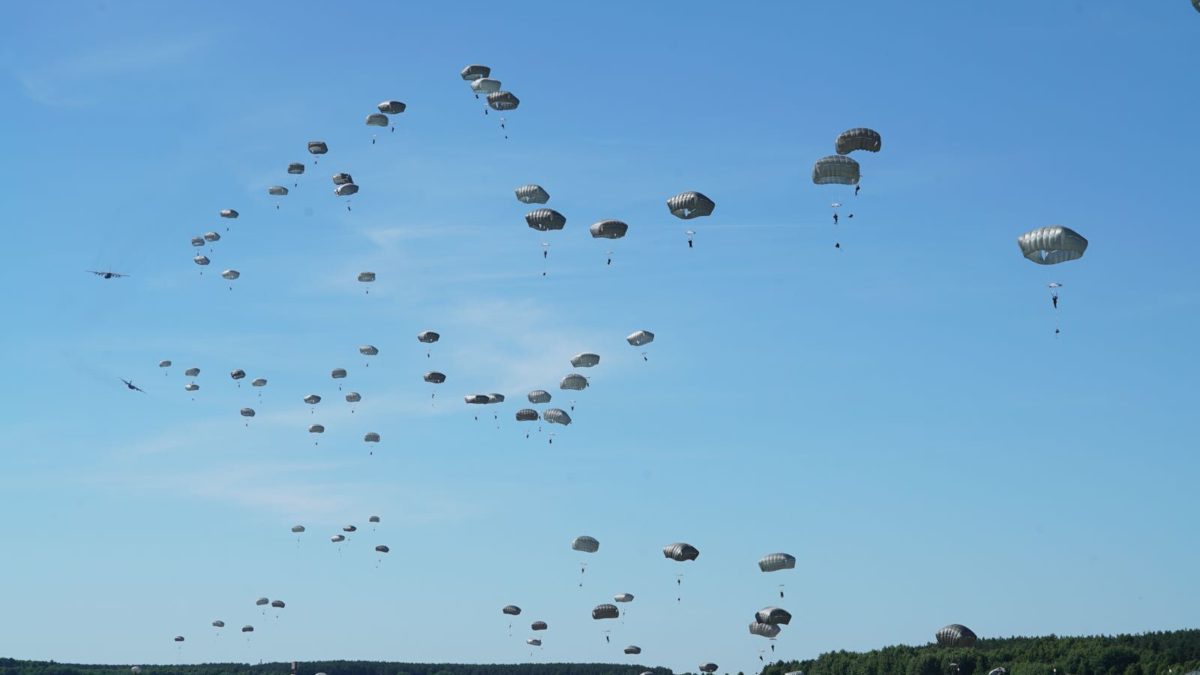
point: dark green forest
(1166, 653)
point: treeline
(1166, 653)
(17, 667)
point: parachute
(211, 237)
(366, 277)
(764, 629)
(511, 609)
(391, 107)
(297, 529)
(688, 205)
(317, 147)
(956, 635)
(605, 611)
(338, 538)
(278, 604)
(556, 416)
(377, 120)
(585, 360)
(201, 260)
(633, 649)
(247, 629)
(835, 169)
(371, 437)
(623, 597)
(338, 373)
(574, 381)
(192, 372)
(681, 552)
(342, 179)
(477, 399)
(230, 274)
(708, 667)
(382, 549)
(164, 364)
(773, 616)
(539, 396)
(434, 377)
(503, 100)
(312, 399)
(538, 625)
(532, 194)
(197, 241)
(544, 220)
(237, 373)
(295, 168)
(534, 642)
(475, 72)
(247, 412)
(1052, 245)
(527, 415)
(373, 519)
(346, 190)
(858, 139)
(191, 386)
(368, 350)
(639, 338)
(350, 528)
(179, 638)
(485, 85)
(773, 562)
(353, 397)
(262, 601)
(495, 398)
(608, 229)
(586, 544)
(428, 337)
(1002, 671)
(229, 213)
(277, 191)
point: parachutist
(1054, 299)
(689, 243)
(850, 216)
(609, 262)
(781, 594)
(835, 219)
(837, 245)
(856, 189)
(606, 639)
(545, 254)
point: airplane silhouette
(132, 386)
(108, 275)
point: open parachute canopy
(858, 139)
(1052, 245)
(532, 194)
(605, 611)
(835, 169)
(956, 635)
(586, 544)
(688, 205)
(773, 562)
(681, 552)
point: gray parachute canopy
(428, 336)
(532, 194)
(708, 667)
(247, 629)
(295, 168)
(835, 169)
(544, 220)
(197, 241)
(237, 373)
(956, 635)
(773, 562)
(337, 373)
(312, 399)
(605, 611)
(495, 398)
(608, 229)
(485, 85)
(633, 649)
(527, 415)
(229, 213)
(639, 338)
(1002, 671)
(350, 528)
(377, 120)
(1196, 4)
(201, 260)
(262, 601)
(317, 147)
(366, 277)
(218, 624)
(681, 552)
(688, 205)
(511, 609)
(353, 397)
(212, 236)
(382, 549)
(342, 178)
(230, 274)
(191, 386)
(773, 615)
(338, 538)
(1052, 245)
(278, 604)
(574, 381)
(623, 597)
(586, 544)
(373, 519)
(297, 529)
(533, 642)
(346, 190)
(475, 72)
(503, 100)
(556, 416)
(371, 437)
(478, 399)
(764, 629)
(539, 396)
(434, 377)
(858, 139)
(585, 360)
(179, 638)
(247, 412)
(368, 350)
(316, 428)
(164, 364)
(538, 625)
(391, 107)
(192, 372)
(277, 190)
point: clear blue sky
(898, 414)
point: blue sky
(898, 414)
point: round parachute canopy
(1002, 671)
(556, 416)
(633, 649)
(532, 194)
(538, 625)
(377, 120)
(229, 213)
(247, 412)
(350, 528)
(538, 396)
(502, 101)
(179, 638)
(544, 220)
(373, 519)
(237, 373)
(197, 241)
(1196, 4)
(773, 562)
(495, 398)
(278, 604)
(192, 372)
(956, 635)
(623, 597)
(382, 549)
(608, 229)
(317, 147)
(277, 190)
(511, 610)
(201, 260)
(708, 667)
(835, 169)
(858, 139)
(338, 538)
(371, 437)
(316, 428)
(475, 72)
(485, 85)
(773, 615)
(230, 274)
(605, 611)
(533, 642)
(262, 601)
(586, 544)
(353, 397)
(688, 205)
(366, 277)
(297, 529)
(527, 415)
(434, 377)
(191, 386)
(211, 236)
(477, 399)
(574, 381)
(428, 337)
(368, 350)
(1052, 245)
(639, 338)
(391, 107)
(218, 624)
(346, 190)
(585, 360)
(247, 629)
(164, 364)
(764, 629)
(312, 399)
(259, 382)
(295, 168)
(338, 373)
(681, 552)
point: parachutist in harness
(837, 245)
(1054, 299)
(835, 219)
(856, 189)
